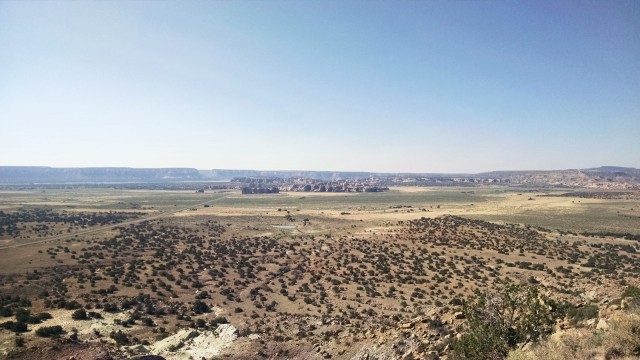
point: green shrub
(80, 314)
(217, 321)
(200, 307)
(19, 341)
(497, 323)
(94, 315)
(586, 312)
(456, 302)
(632, 297)
(71, 305)
(22, 315)
(16, 327)
(5, 311)
(202, 295)
(49, 331)
(42, 317)
(120, 337)
(631, 291)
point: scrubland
(386, 275)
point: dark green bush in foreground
(496, 323)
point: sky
(384, 86)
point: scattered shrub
(200, 323)
(120, 337)
(16, 327)
(586, 312)
(631, 291)
(19, 341)
(217, 321)
(200, 307)
(80, 314)
(49, 331)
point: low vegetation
(498, 322)
(407, 281)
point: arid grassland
(411, 273)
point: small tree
(80, 314)
(49, 331)
(200, 307)
(498, 322)
(217, 321)
(19, 341)
(120, 337)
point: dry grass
(624, 337)
(348, 250)
(620, 341)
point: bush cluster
(498, 322)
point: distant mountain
(613, 177)
(44, 174)
(225, 174)
(602, 177)
(614, 170)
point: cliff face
(43, 174)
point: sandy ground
(191, 344)
(257, 214)
(496, 205)
(63, 318)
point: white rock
(602, 325)
(191, 344)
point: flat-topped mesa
(43, 174)
(606, 177)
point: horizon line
(308, 170)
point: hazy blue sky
(424, 86)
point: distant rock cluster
(274, 185)
(260, 190)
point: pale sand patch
(56, 203)
(63, 318)
(512, 204)
(410, 189)
(129, 210)
(192, 344)
(495, 204)
(319, 194)
(264, 234)
(222, 211)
